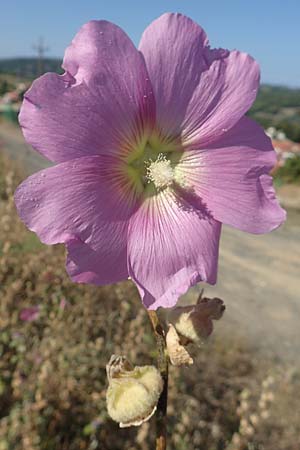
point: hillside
(28, 67)
(277, 106)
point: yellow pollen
(160, 172)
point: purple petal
(200, 93)
(172, 46)
(225, 92)
(30, 314)
(104, 103)
(86, 204)
(171, 246)
(231, 177)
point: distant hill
(272, 98)
(28, 67)
(278, 106)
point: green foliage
(28, 67)
(279, 107)
(273, 98)
(5, 86)
(290, 128)
(290, 172)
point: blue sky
(268, 30)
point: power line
(41, 49)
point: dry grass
(52, 369)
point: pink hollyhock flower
(30, 314)
(152, 152)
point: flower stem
(162, 362)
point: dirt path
(12, 142)
(259, 276)
(259, 279)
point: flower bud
(194, 322)
(133, 392)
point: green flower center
(152, 167)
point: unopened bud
(194, 322)
(133, 392)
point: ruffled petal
(171, 247)
(103, 104)
(232, 178)
(86, 204)
(173, 47)
(200, 93)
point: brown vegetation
(52, 368)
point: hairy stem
(162, 362)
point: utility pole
(41, 49)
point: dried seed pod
(178, 354)
(194, 322)
(133, 392)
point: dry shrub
(52, 369)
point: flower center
(152, 166)
(159, 172)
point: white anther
(160, 172)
